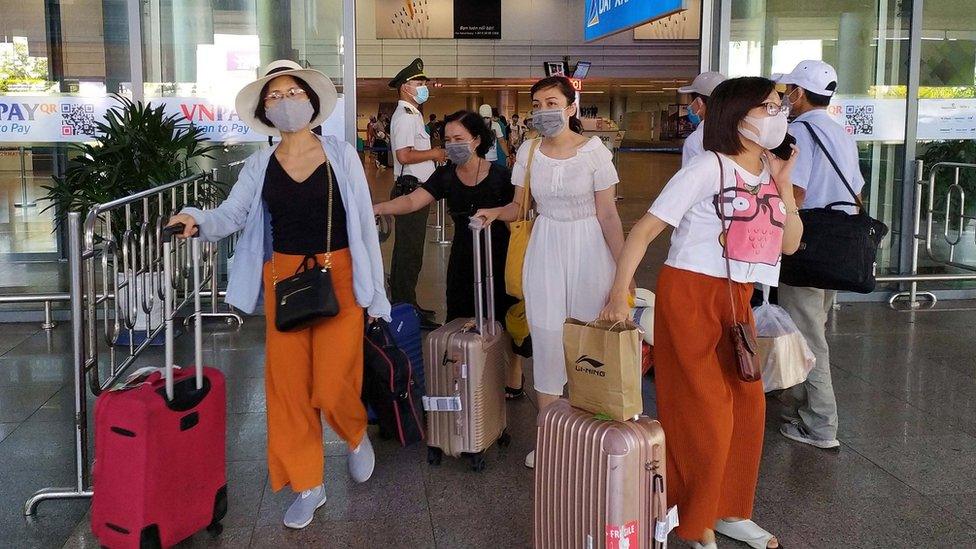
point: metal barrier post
(80, 490)
(49, 323)
(24, 202)
(440, 227)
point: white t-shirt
(694, 145)
(813, 171)
(492, 154)
(407, 129)
(755, 216)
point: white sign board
(42, 119)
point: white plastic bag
(643, 313)
(785, 357)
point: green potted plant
(136, 147)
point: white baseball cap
(485, 111)
(704, 84)
(814, 76)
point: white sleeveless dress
(569, 268)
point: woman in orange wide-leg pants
(312, 373)
(714, 422)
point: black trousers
(410, 234)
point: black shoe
(428, 324)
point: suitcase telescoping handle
(195, 250)
(484, 284)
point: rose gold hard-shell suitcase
(464, 366)
(598, 483)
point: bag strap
(833, 163)
(527, 181)
(725, 234)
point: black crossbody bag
(838, 250)
(308, 296)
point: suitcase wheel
(505, 440)
(149, 538)
(434, 455)
(215, 529)
(477, 461)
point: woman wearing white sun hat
(280, 203)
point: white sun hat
(247, 98)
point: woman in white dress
(577, 236)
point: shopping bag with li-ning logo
(603, 366)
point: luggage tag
(664, 527)
(442, 404)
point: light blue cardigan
(245, 209)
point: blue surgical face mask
(290, 114)
(694, 118)
(549, 122)
(423, 94)
(459, 153)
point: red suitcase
(160, 470)
(599, 483)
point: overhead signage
(606, 17)
(457, 19)
(577, 84)
(40, 119)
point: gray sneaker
(302, 511)
(362, 461)
(796, 431)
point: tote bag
(519, 232)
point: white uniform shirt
(407, 129)
(694, 145)
(813, 171)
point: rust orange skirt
(713, 423)
(309, 374)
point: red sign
(622, 537)
(577, 84)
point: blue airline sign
(606, 17)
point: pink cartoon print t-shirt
(754, 215)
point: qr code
(859, 119)
(77, 119)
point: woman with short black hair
(734, 216)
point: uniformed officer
(413, 162)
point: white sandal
(747, 532)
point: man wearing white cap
(700, 89)
(816, 184)
(488, 115)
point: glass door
(867, 43)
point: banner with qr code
(870, 119)
(33, 119)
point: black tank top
(299, 210)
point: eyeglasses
(772, 109)
(291, 94)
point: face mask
(693, 118)
(290, 115)
(772, 130)
(423, 94)
(458, 153)
(549, 122)
(788, 101)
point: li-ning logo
(592, 366)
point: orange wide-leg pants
(713, 422)
(312, 373)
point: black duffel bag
(838, 249)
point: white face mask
(772, 130)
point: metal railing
(440, 224)
(928, 213)
(117, 293)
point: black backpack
(389, 388)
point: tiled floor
(906, 385)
